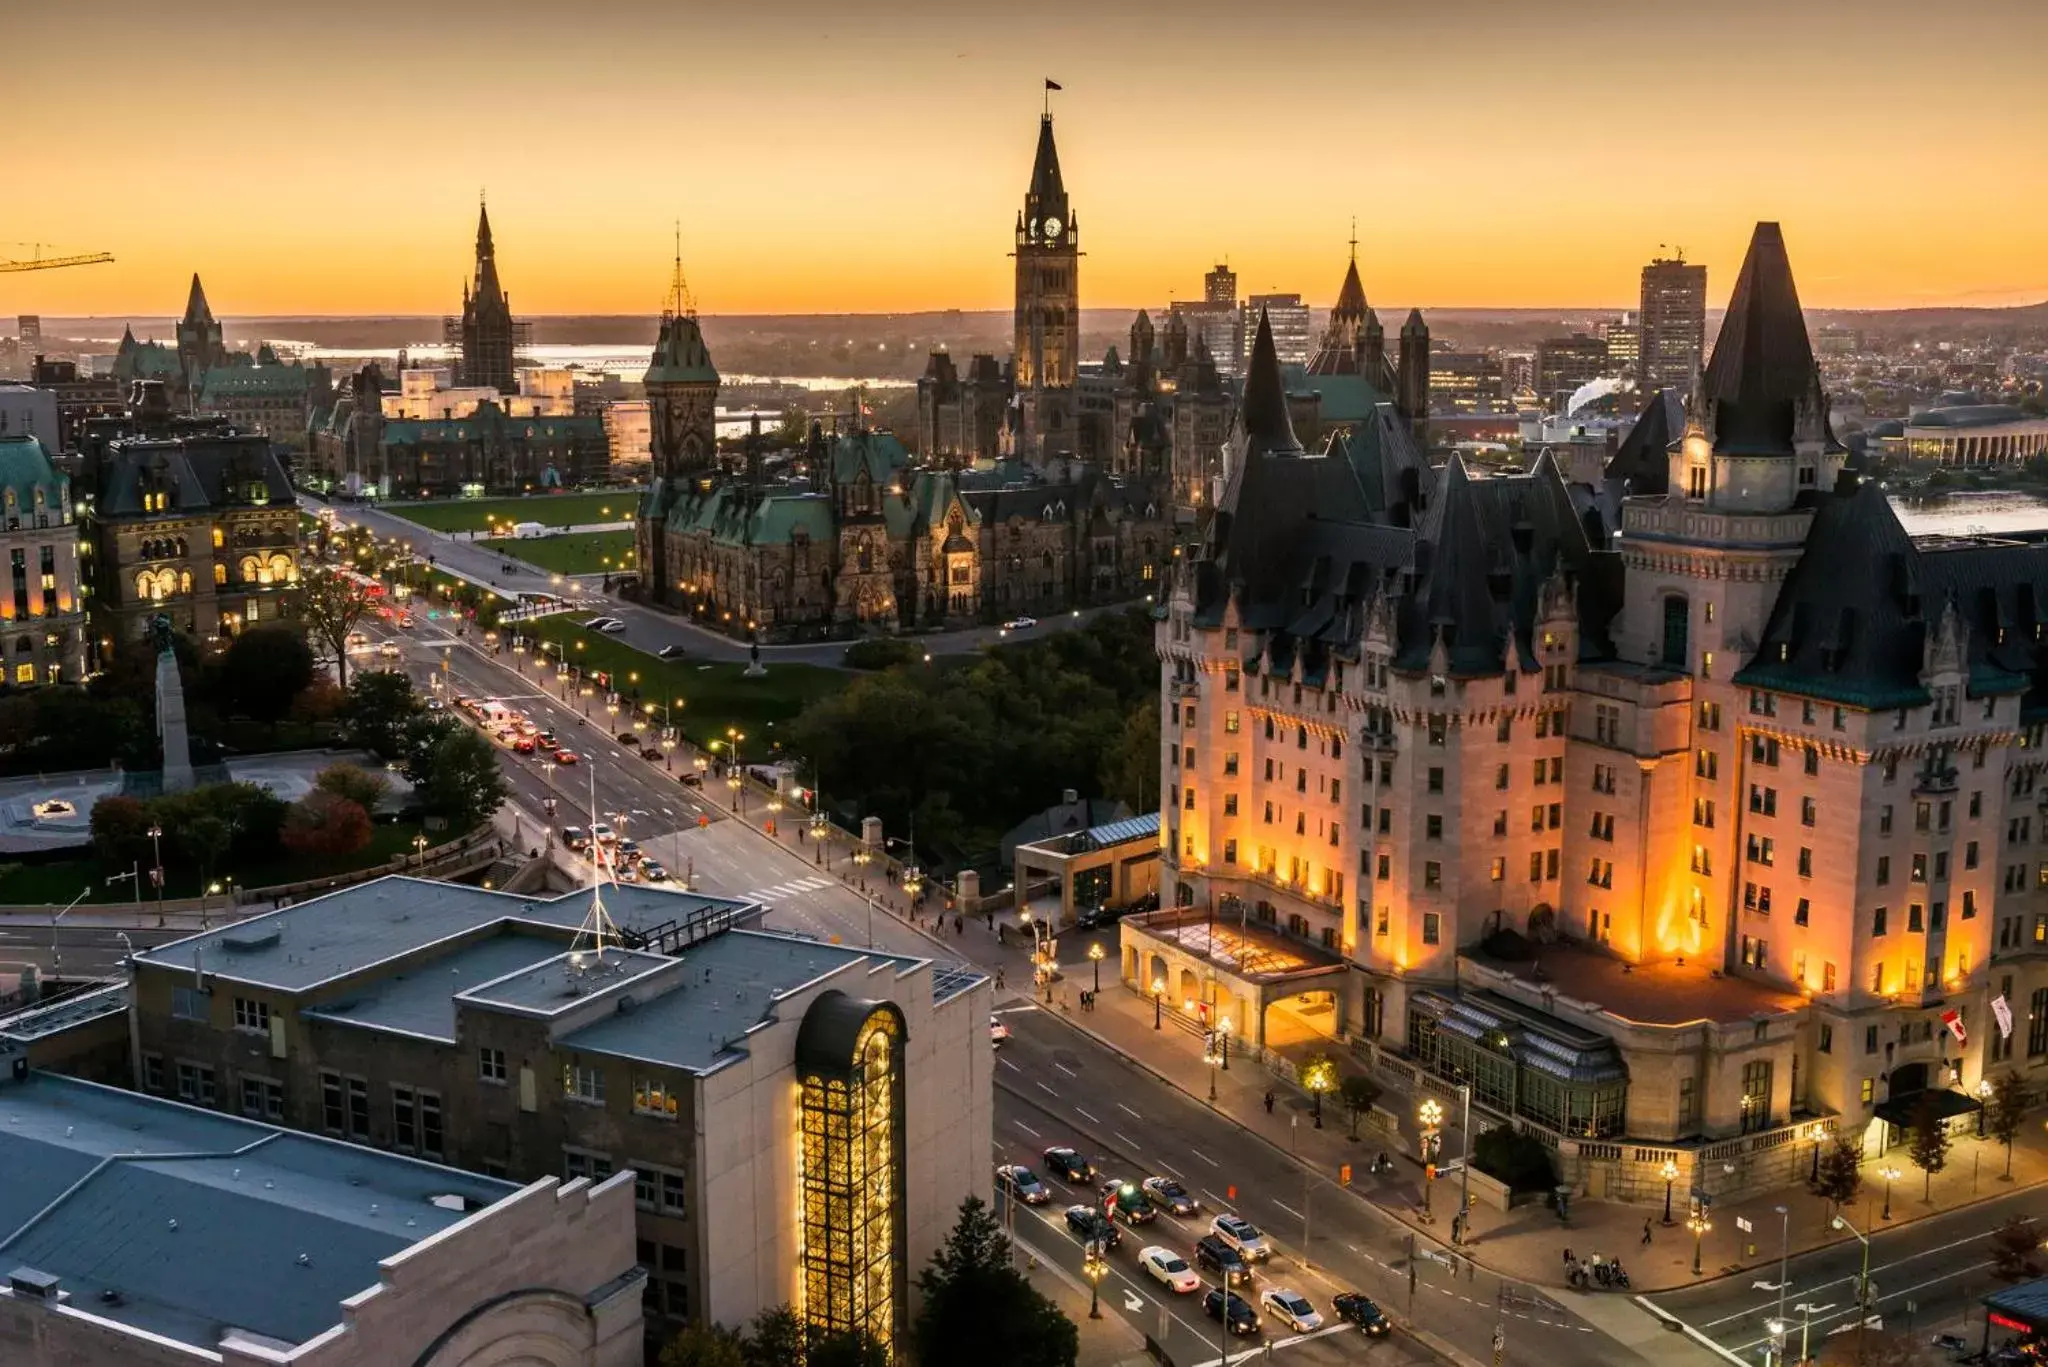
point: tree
(776, 1338)
(357, 784)
(703, 1345)
(1359, 1093)
(1130, 766)
(2016, 1250)
(844, 1348)
(1841, 1171)
(321, 823)
(461, 780)
(1930, 1143)
(1318, 1077)
(120, 829)
(263, 670)
(381, 704)
(979, 1309)
(2007, 1112)
(331, 604)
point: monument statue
(170, 709)
(754, 669)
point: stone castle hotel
(1673, 812)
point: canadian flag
(1952, 1019)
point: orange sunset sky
(871, 157)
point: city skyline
(820, 162)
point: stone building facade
(190, 518)
(1758, 777)
(42, 611)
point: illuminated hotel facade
(1678, 807)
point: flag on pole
(1053, 85)
(1953, 1020)
(2003, 1011)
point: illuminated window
(854, 1252)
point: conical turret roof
(1762, 367)
(195, 302)
(1263, 416)
(1048, 193)
(680, 356)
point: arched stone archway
(1187, 991)
(534, 1328)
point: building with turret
(42, 612)
(258, 393)
(485, 339)
(1697, 808)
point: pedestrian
(1002, 934)
(1269, 1101)
(1568, 1259)
(999, 979)
(1646, 1231)
(991, 920)
(959, 925)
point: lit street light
(1095, 957)
(1158, 996)
(1669, 1173)
(1890, 1175)
(1432, 1115)
(1698, 1223)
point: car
(690, 778)
(575, 838)
(602, 832)
(405, 619)
(436, 705)
(629, 739)
(625, 873)
(997, 1031)
(603, 624)
(1355, 1307)
(1242, 1235)
(1070, 1167)
(1020, 623)
(389, 650)
(547, 739)
(1091, 1226)
(565, 756)
(669, 653)
(653, 872)
(1220, 1258)
(628, 851)
(1093, 918)
(1292, 1309)
(1171, 1196)
(1232, 1309)
(1022, 1183)
(1169, 1267)
(1126, 1201)
(522, 745)
(652, 754)
(612, 626)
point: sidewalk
(1106, 1342)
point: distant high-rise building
(1672, 323)
(485, 337)
(1565, 363)
(29, 334)
(1214, 328)
(1219, 286)
(1464, 381)
(1293, 339)
(1624, 344)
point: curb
(1671, 1321)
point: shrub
(322, 823)
(358, 785)
(882, 652)
(1518, 1159)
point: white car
(1020, 623)
(997, 1031)
(1292, 1309)
(389, 650)
(599, 831)
(1242, 1235)
(1169, 1267)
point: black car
(1357, 1308)
(576, 838)
(690, 778)
(1090, 1225)
(1220, 1258)
(1023, 1183)
(1068, 1166)
(1091, 917)
(1234, 1309)
(669, 653)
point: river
(1990, 513)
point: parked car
(669, 653)
(1068, 1166)
(690, 778)
(1170, 1268)
(602, 831)
(1171, 1196)
(1022, 1183)
(1090, 1225)
(1242, 1235)
(1292, 1309)
(1220, 1258)
(1355, 1307)
(652, 754)
(629, 739)
(1233, 1309)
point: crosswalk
(780, 890)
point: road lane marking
(1289, 1209)
(1047, 1090)
(1203, 1156)
(1124, 1139)
(1027, 1129)
(1128, 1111)
(1083, 1114)
(1064, 1068)
(1011, 1066)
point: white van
(523, 530)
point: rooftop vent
(33, 1283)
(251, 939)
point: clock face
(1052, 228)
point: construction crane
(39, 262)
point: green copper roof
(879, 453)
(680, 356)
(25, 468)
(255, 381)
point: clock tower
(1048, 318)
(682, 413)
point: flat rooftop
(420, 999)
(357, 928)
(186, 1223)
(549, 988)
(1648, 994)
(1242, 947)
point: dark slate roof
(1863, 637)
(1398, 479)
(1762, 369)
(1048, 192)
(1642, 463)
(195, 302)
(680, 356)
(1967, 415)
(1263, 413)
(1350, 305)
(202, 471)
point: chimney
(1069, 797)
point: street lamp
(419, 844)
(1776, 1329)
(1698, 1223)
(1212, 1058)
(1095, 957)
(1094, 1266)
(1158, 996)
(156, 874)
(1862, 1280)
(57, 955)
(1669, 1172)
(1223, 1036)
(1890, 1175)
(1432, 1115)
(1983, 1100)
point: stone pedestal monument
(170, 711)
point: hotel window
(153, 1072)
(1432, 874)
(1603, 826)
(1230, 764)
(262, 1098)
(1884, 820)
(1230, 804)
(1809, 811)
(1970, 855)
(1535, 866)
(1384, 868)
(1710, 716)
(1763, 801)
(1812, 760)
(1805, 862)
(1799, 913)
(1688, 1105)
(1702, 861)
(583, 1084)
(1499, 868)
(1919, 867)
(1230, 723)
(1827, 977)
(651, 1096)
(1763, 750)
(1969, 904)
(1867, 1092)
(1877, 920)
(1436, 779)
(1884, 869)
(1877, 979)
(1230, 851)
(1433, 827)
(252, 1016)
(404, 1119)
(1826, 1043)
(1432, 927)
(1706, 764)
(1500, 779)
(2037, 1024)
(1703, 812)
(660, 1190)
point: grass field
(555, 510)
(60, 880)
(583, 553)
(715, 696)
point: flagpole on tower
(1050, 86)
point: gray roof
(730, 984)
(1967, 415)
(54, 1017)
(422, 1001)
(551, 987)
(345, 932)
(185, 1223)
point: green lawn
(715, 696)
(556, 510)
(59, 881)
(584, 553)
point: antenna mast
(597, 924)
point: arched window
(219, 538)
(1677, 621)
(145, 584)
(282, 570)
(220, 573)
(253, 571)
(184, 581)
(182, 552)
